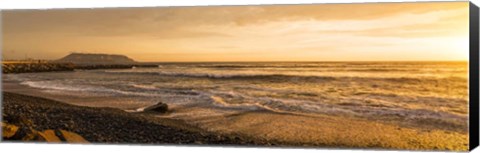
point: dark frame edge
(474, 77)
(1, 72)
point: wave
(60, 86)
(224, 76)
(219, 102)
(337, 68)
(269, 66)
(54, 85)
(303, 107)
(282, 77)
(311, 64)
(141, 86)
(243, 102)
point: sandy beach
(228, 106)
(113, 125)
(107, 125)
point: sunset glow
(328, 32)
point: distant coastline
(88, 61)
(32, 67)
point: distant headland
(71, 62)
(96, 59)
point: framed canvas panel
(474, 74)
(389, 76)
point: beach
(107, 125)
(261, 104)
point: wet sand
(107, 125)
(264, 127)
(336, 132)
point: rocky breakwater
(31, 67)
(28, 67)
(72, 62)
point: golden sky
(322, 32)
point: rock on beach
(159, 107)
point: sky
(426, 31)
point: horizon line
(3, 60)
(304, 61)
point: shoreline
(108, 125)
(253, 128)
(259, 129)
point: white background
(45, 4)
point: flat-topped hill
(96, 59)
(72, 62)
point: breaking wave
(54, 85)
(273, 77)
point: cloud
(319, 33)
(124, 21)
(240, 31)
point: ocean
(414, 94)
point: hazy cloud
(235, 32)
